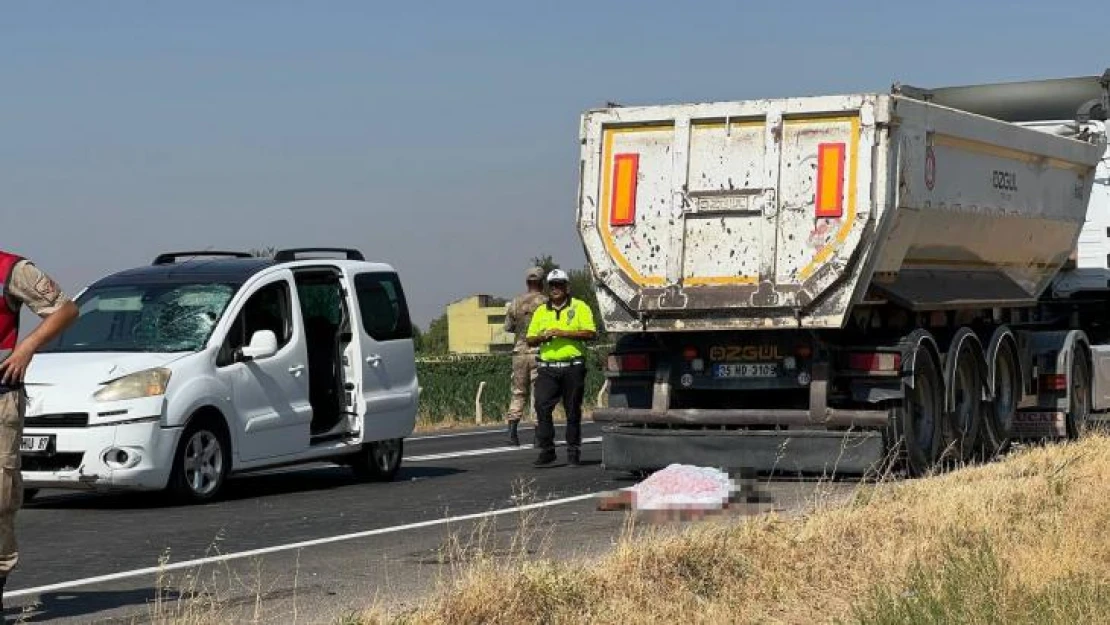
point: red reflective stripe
(1054, 382)
(829, 200)
(626, 169)
(876, 361)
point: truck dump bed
(787, 213)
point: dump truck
(852, 283)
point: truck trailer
(853, 283)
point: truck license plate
(747, 370)
(37, 444)
(1040, 423)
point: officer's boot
(514, 438)
(547, 456)
(574, 458)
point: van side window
(269, 308)
(381, 302)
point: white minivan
(205, 364)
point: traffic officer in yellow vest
(560, 328)
(21, 283)
(518, 315)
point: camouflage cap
(535, 273)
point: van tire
(378, 461)
(204, 436)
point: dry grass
(1020, 540)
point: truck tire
(1079, 408)
(915, 431)
(961, 425)
(998, 418)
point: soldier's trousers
(12, 405)
(524, 380)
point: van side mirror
(263, 345)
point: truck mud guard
(1002, 335)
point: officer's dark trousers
(555, 384)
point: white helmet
(557, 275)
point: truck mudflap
(812, 452)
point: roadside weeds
(1018, 540)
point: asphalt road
(323, 544)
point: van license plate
(747, 370)
(37, 444)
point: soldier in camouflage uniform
(21, 283)
(518, 314)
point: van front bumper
(135, 455)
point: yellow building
(475, 325)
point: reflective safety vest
(9, 317)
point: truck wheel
(961, 426)
(379, 461)
(29, 494)
(202, 462)
(915, 431)
(1079, 409)
(998, 422)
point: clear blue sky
(440, 136)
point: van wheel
(378, 461)
(29, 494)
(202, 463)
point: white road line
(499, 430)
(154, 570)
(428, 437)
(485, 452)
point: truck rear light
(875, 362)
(803, 351)
(1054, 382)
(629, 362)
(829, 202)
(690, 353)
(626, 169)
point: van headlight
(148, 383)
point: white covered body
(788, 213)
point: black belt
(561, 363)
(9, 388)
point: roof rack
(170, 258)
(285, 256)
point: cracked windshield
(145, 318)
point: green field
(450, 384)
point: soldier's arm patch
(48, 289)
(31, 286)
